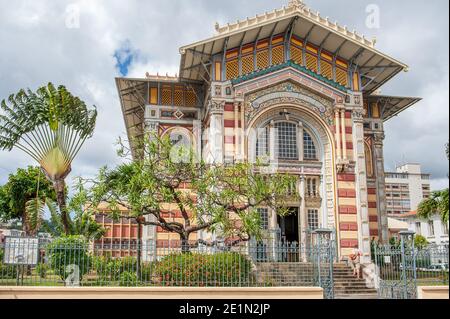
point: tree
(50, 125)
(438, 203)
(83, 225)
(420, 242)
(220, 199)
(24, 189)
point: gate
(402, 267)
(323, 255)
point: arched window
(262, 142)
(287, 141)
(182, 146)
(309, 148)
(286, 146)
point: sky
(85, 44)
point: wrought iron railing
(402, 267)
(25, 262)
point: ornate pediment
(288, 93)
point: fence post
(408, 236)
(324, 245)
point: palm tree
(50, 125)
(83, 224)
(438, 203)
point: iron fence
(403, 267)
(251, 264)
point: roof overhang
(391, 106)
(376, 67)
(132, 93)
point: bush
(8, 271)
(128, 279)
(199, 270)
(109, 269)
(147, 272)
(42, 269)
(420, 242)
(66, 252)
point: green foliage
(16, 197)
(128, 279)
(438, 203)
(50, 125)
(395, 243)
(8, 271)
(65, 251)
(144, 185)
(200, 270)
(42, 270)
(111, 269)
(420, 242)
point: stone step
(353, 291)
(356, 296)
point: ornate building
(295, 89)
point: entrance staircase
(346, 286)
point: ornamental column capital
(358, 114)
(379, 139)
(217, 107)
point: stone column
(302, 215)
(381, 186)
(344, 137)
(216, 132)
(272, 143)
(237, 145)
(361, 185)
(149, 233)
(300, 143)
(338, 133)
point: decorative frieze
(288, 93)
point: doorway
(289, 226)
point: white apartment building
(406, 188)
(434, 230)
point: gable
(289, 92)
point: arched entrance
(293, 139)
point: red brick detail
(349, 243)
(349, 227)
(174, 214)
(349, 130)
(349, 145)
(346, 177)
(372, 191)
(229, 140)
(373, 219)
(230, 123)
(374, 232)
(348, 114)
(159, 229)
(347, 193)
(229, 107)
(373, 205)
(348, 210)
(167, 244)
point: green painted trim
(292, 64)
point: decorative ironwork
(401, 267)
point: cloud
(117, 37)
